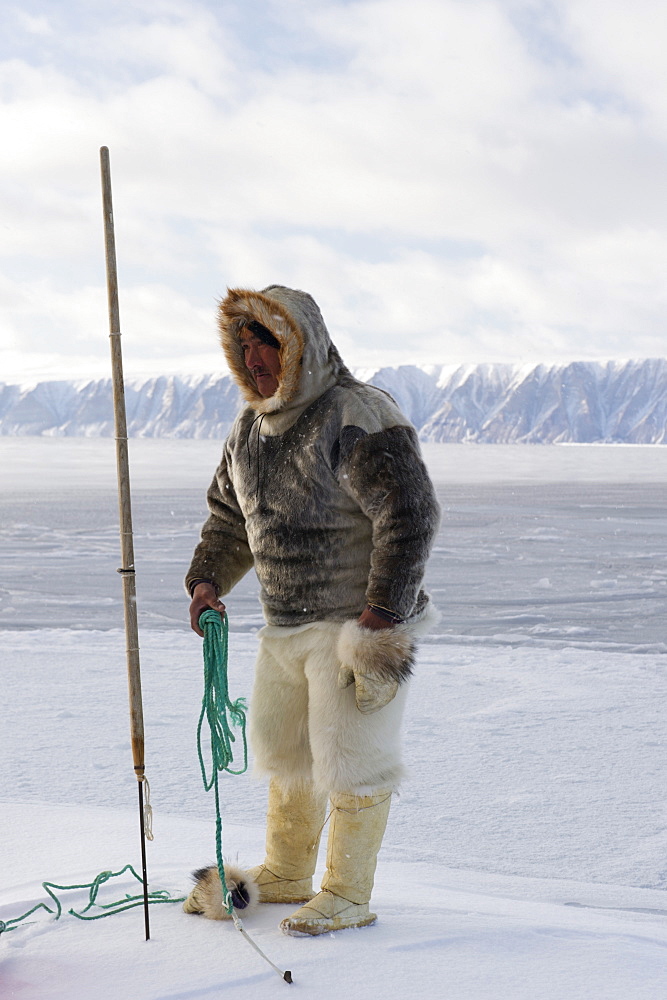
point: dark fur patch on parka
(389, 479)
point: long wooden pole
(125, 514)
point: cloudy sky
(453, 180)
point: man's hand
(368, 619)
(203, 597)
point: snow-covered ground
(525, 857)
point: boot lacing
(353, 812)
(281, 878)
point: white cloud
(33, 25)
(623, 49)
(473, 180)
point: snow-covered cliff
(615, 401)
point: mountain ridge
(493, 403)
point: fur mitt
(206, 897)
(376, 661)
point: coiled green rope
(159, 896)
(215, 706)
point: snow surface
(525, 857)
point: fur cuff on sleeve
(387, 654)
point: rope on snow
(158, 896)
(215, 705)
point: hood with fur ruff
(309, 362)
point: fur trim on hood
(309, 362)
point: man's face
(262, 361)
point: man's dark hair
(262, 333)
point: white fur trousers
(304, 727)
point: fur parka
(321, 487)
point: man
(322, 489)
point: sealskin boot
(294, 821)
(357, 827)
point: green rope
(215, 706)
(159, 896)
